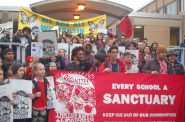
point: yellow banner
(85, 26)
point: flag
(126, 27)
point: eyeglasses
(114, 52)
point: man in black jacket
(159, 65)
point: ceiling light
(81, 6)
(76, 16)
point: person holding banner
(130, 68)
(98, 63)
(159, 65)
(113, 63)
(18, 72)
(78, 63)
(172, 57)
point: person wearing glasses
(113, 63)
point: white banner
(51, 96)
(49, 40)
(6, 109)
(37, 49)
(4, 27)
(23, 108)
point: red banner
(108, 97)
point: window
(174, 36)
(139, 32)
(172, 8)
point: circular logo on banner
(76, 93)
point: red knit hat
(29, 59)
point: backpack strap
(36, 85)
(45, 85)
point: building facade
(161, 21)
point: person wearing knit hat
(29, 59)
(99, 63)
(161, 49)
(18, 70)
(28, 68)
(159, 65)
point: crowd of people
(97, 54)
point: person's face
(7, 33)
(88, 48)
(147, 57)
(26, 33)
(80, 56)
(128, 59)
(162, 55)
(97, 61)
(75, 40)
(52, 67)
(147, 50)
(9, 56)
(40, 70)
(110, 31)
(132, 47)
(114, 54)
(155, 46)
(99, 36)
(91, 35)
(105, 37)
(172, 58)
(53, 58)
(140, 46)
(145, 40)
(61, 52)
(1, 76)
(68, 40)
(123, 39)
(20, 72)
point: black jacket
(154, 65)
(179, 69)
(83, 66)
